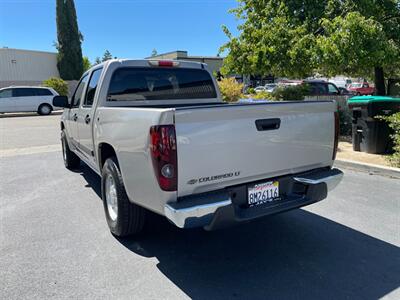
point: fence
(340, 99)
(72, 84)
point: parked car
(27, 99)
(270, 87)
(361, 89)
(344, 91)
(340, 82)
(321, 88)
(259, 89)
(161, 138)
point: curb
(28, 114)
(368, 168)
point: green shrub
(230, 89)
(290, 93)
(394, 123)
(262, 96)
(251, 91)
(59, 85)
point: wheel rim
(64, 150)
(111, 197)
(45, 109)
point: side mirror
(61, 101)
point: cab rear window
(135, 84)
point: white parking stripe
(29, 150)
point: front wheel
(123, 217)
(71, 160)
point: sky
(127, 28)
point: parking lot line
(29, 150)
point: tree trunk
(380, 89)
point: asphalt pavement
(54, 240)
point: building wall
(214, 63)
(26, 66)
(170, 55)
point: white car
(270, 87)
(27, 99)
(259, 89)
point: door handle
(87, 119)
(75, 117)
(268, 124)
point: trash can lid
(369, 99)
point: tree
(97, 61)
(69, 39)
(106, 56)
(154, 53)
(297, 38)
(86, 63)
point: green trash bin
(370, 134)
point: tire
(358, 94)
(44, 109)
(123, 217)
(71, 160)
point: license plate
(263, 193)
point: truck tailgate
(224, 145)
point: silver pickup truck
(160, 137)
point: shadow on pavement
(91, 178)
(295, 255)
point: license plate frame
(262, 193)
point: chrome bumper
(195, 216)
(331, 181)
(199, 212)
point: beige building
(214, 62)
(26, 67)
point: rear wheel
(123, 217)
(71, 160)
(44, 109)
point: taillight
(163, 63)
(164, 157)
(337, 130)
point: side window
(312, 88)
(332, 89)
(76, 98)
(6, 93)
(365, 85)
(92, 86)
(43, 92)
(320, 89)
(24, 92)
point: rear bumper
(225, 207)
